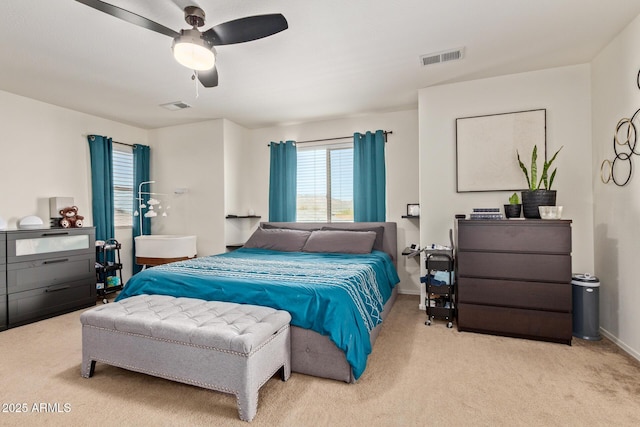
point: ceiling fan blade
(246, 29)
(130, 17)
(209, 78)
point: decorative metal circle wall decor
(631, 132)
(622, 153)
(608, 174)
(608, 169)
(613, 168)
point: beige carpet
(416, 376)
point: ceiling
(338, 58)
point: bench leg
(88, 368)
(285, 372)
(247, 404)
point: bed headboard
(389, 239)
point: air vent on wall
(175, 106)
(445, 56)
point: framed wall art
(413, 209)
(486, 149)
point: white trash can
(586, 305)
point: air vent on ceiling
(445, 56)
(175, 106)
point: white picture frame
(486, 148)
(413, 209)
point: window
(123, 186)
(325, 184)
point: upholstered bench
(232, 348)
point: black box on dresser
(514, 278)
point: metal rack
(440, 297)
(107, 270)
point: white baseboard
(631, 352)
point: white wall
(45, 153)
(191, 156)
(617, 209)
(564, 92)
(402, 170)
(236, 194)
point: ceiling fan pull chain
(195, 80)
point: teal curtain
(140, 174)
(283, 181)
(100, 151)
(369, 177)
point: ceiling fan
(195, 49)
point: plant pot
(532, 199)
(512, 211)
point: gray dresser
(48, 272)
(3, 281)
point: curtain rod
(118, 142)
(386, 132)
(122, 143)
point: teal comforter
(338, 295)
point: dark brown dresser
(514, 278)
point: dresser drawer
(42, 244)
(3, 279)
(3, 248)
(40, 303)
(515, 266)
(3, 312)
(37, 274)
(517, 294)
(544, 325)
(3, 297)
(543, 236)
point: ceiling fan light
(193, 52)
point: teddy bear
(70, 218)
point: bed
(320, 286)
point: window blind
(325, 184)
(123, 186)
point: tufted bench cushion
(233, 348)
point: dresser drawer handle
(60, 233)
(55, 261)
(61, 288)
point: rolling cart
(108, 273)
(439, 302)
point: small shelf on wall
(242, 216)
(410, 253)
(234, 246)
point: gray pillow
(278, 239)
(349, 242)
(377, 245)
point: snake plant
(532, 181)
